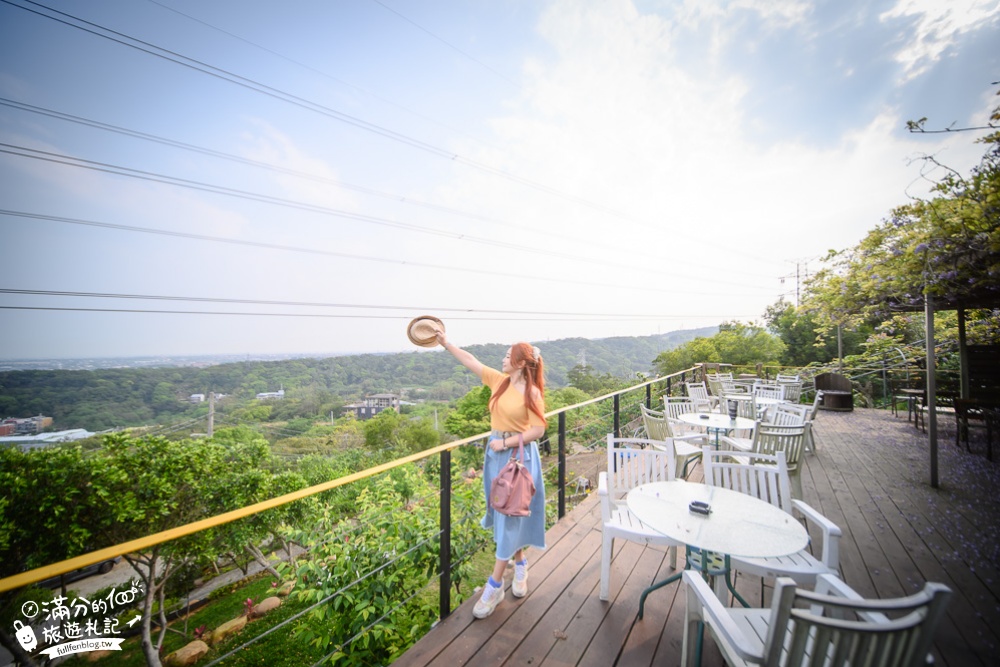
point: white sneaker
(491, 597)
(520, 586)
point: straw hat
(420, 331)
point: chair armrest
(602, 492)
(717, 615)
(692, 437)
(831, 533)
(833, 586)
(738, 444)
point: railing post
(649, 396)
(445, 545)
(562, 464)
(617, 417)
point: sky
(183, 177)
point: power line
(205, 68)
(243, 160)
(333, 253)
(356, 317)
(313, 304)
(300, 174)
(314, 70)
(118, 170)
(447, 43)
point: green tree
(471, 414)
(585, 379)
(804, 338)
(946, 247)
(46, 515)
(381, 430)
(418, 435)
(735, 343)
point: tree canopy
(946, 247)
(736, 343)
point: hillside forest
(113, 398)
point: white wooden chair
(673, 406)
(730, 387)
(832, 626)
(699, 393)
(631, 462)
(771, 391)
(769, 439)
(787, 414)
(793, 391)
(786, 377)
(810, 443)
(715, 387)
(686, 448)
(767, 479)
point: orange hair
(522, 355)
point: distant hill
(113, 397)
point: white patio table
(737, 525)
(713, 422)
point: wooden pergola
(975, 297)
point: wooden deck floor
(870, 475)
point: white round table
(715, 422)
(738, 524)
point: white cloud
(938, 26)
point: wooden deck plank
(870, 475)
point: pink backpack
(513, 489)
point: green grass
(277, 649)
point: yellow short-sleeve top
(510, 413)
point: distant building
(44, 439)
(374, 404)
(196, 398)
(7, 429)
(27, 425)
(268, 395)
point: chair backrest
(715, 386)
(772, 438)
(767, 481)
(793, 391)
(816, 403)
(729, 387)
(744, 408)
(769, 391)
(633, 461)
(788, 414)
(696, 390)
(655, 423)
(850, 630)
(786, 378)
(678, 405)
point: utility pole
(211, 413)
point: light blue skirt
(515, 532)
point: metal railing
(589, 435)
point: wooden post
(211, 413)
(931, 388)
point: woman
(517, 410)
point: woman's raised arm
(463, 357)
